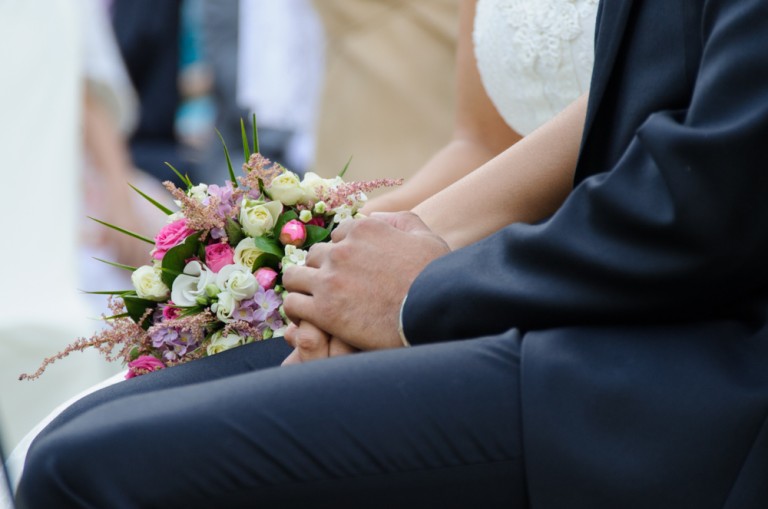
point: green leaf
(229, 161)
(118, 265)
(129, 233)
(157, 204)
(246, 147)
(115, 317)
(234, 232)
(137, 307)
(270, 246)
(267, 260)
(346, 167)
(176, 258)
(315, 234)
(109, 292)
(184, 178)
(284, 218)
(255, 134)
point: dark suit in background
(148, 34)
(626, 351)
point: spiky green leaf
(229, 160)
(184, 178)
(121, 230)
(346, 167)
(118, 265)
(151, 200)
(255, 134)
(246, 147)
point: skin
(526, 181)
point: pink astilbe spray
(343, 193)
(258, 168)
(115, 342)
(199, 217)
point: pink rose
(170, 312)
(143, 365)
(294, 233)
(171, 235)
(266, 277)
(317, 221)
(219, 255)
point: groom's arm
(678, 228)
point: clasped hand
(348, 295)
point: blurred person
(42, 99)
(388, 95)
(220, 35)
(280, 67)
(148, 34)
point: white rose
(286, 188)
(198, 193)
(258, 217)
(220, 342)
(246, 252)
(237, 280)
(313, 186)
(294, 256)
(224, 307)
(148, 283)
(190, 285)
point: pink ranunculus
(170, 312)
(171, 235)
(219, 255)
(294, 233)
(142, 365)
(266, 277)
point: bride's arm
(479, 131)
(525, 183)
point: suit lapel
(612, 21)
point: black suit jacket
(644, 299)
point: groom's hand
(353, 287)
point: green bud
(268, 333)
(212, 290)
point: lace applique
(534, 56)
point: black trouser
(429, 426)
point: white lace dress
(535, 56)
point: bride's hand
(310, 343)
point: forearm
(525, 183)
(453, 162)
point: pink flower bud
(266, 277)
(294, 233)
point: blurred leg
(430, 426)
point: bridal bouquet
(213, 281)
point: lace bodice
(534, 56)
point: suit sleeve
(677, 229)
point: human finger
(341, 231)
(298, 279)
(298, 307)
(311, 342)
(317, 254)
(338, 347)
(289, 335)
(293, 358)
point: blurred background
(96, 94)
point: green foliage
(315, 234)
(229, 160)
(184, 178)
(121, 230)
(271, 246)
(234, 232)
(176, 258)
(157, 204)
(136, 308)
(118, 265)
(246, 147)
(255, 134)
(346, 167)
